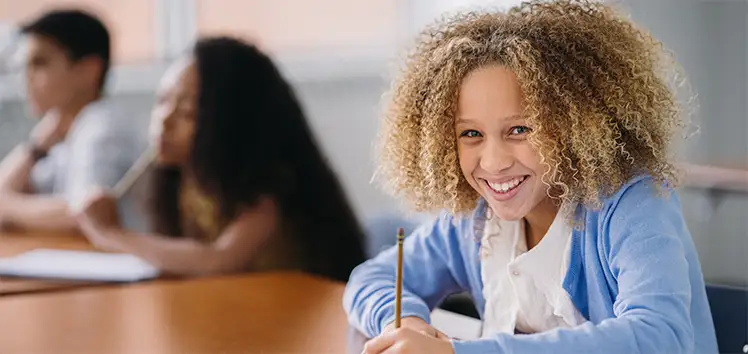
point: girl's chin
(505, 213)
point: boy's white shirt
(100, 147)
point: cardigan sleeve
(433, 267)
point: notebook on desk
(455, 325)
(77, 265)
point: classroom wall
(709, 38)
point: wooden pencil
(399, 281)
(132, 175)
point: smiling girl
(543, 133)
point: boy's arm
(17, 207)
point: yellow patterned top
(201, 211)
(201, 220)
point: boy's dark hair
(79, 33)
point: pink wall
(299, 25)
(130, 22)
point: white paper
(77, 265)
(455, 325)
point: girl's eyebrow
(463, 119)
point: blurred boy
(80, 142)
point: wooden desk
(12, 244)
(262, 313)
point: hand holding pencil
(409, 322)
(100, 205)
(98, 211)
(131, 176)
(420, 336)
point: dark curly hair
(252, 140)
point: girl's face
(495, 156)
(173, 118)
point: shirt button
(515, 273)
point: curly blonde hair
(599, 94)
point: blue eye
(519, 130)
(470, 134)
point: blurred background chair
(730, 313)
(381, 230)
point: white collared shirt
(523, 289)
(102, 144)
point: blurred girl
(240, 183)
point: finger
(433, 332)
(381, 342)
(78, 208)
(81, 219)
(397, 348)
(441, 335)
(429, 332)
(81, 213)
(90, 234)
(85, 224)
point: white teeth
(506, 186)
